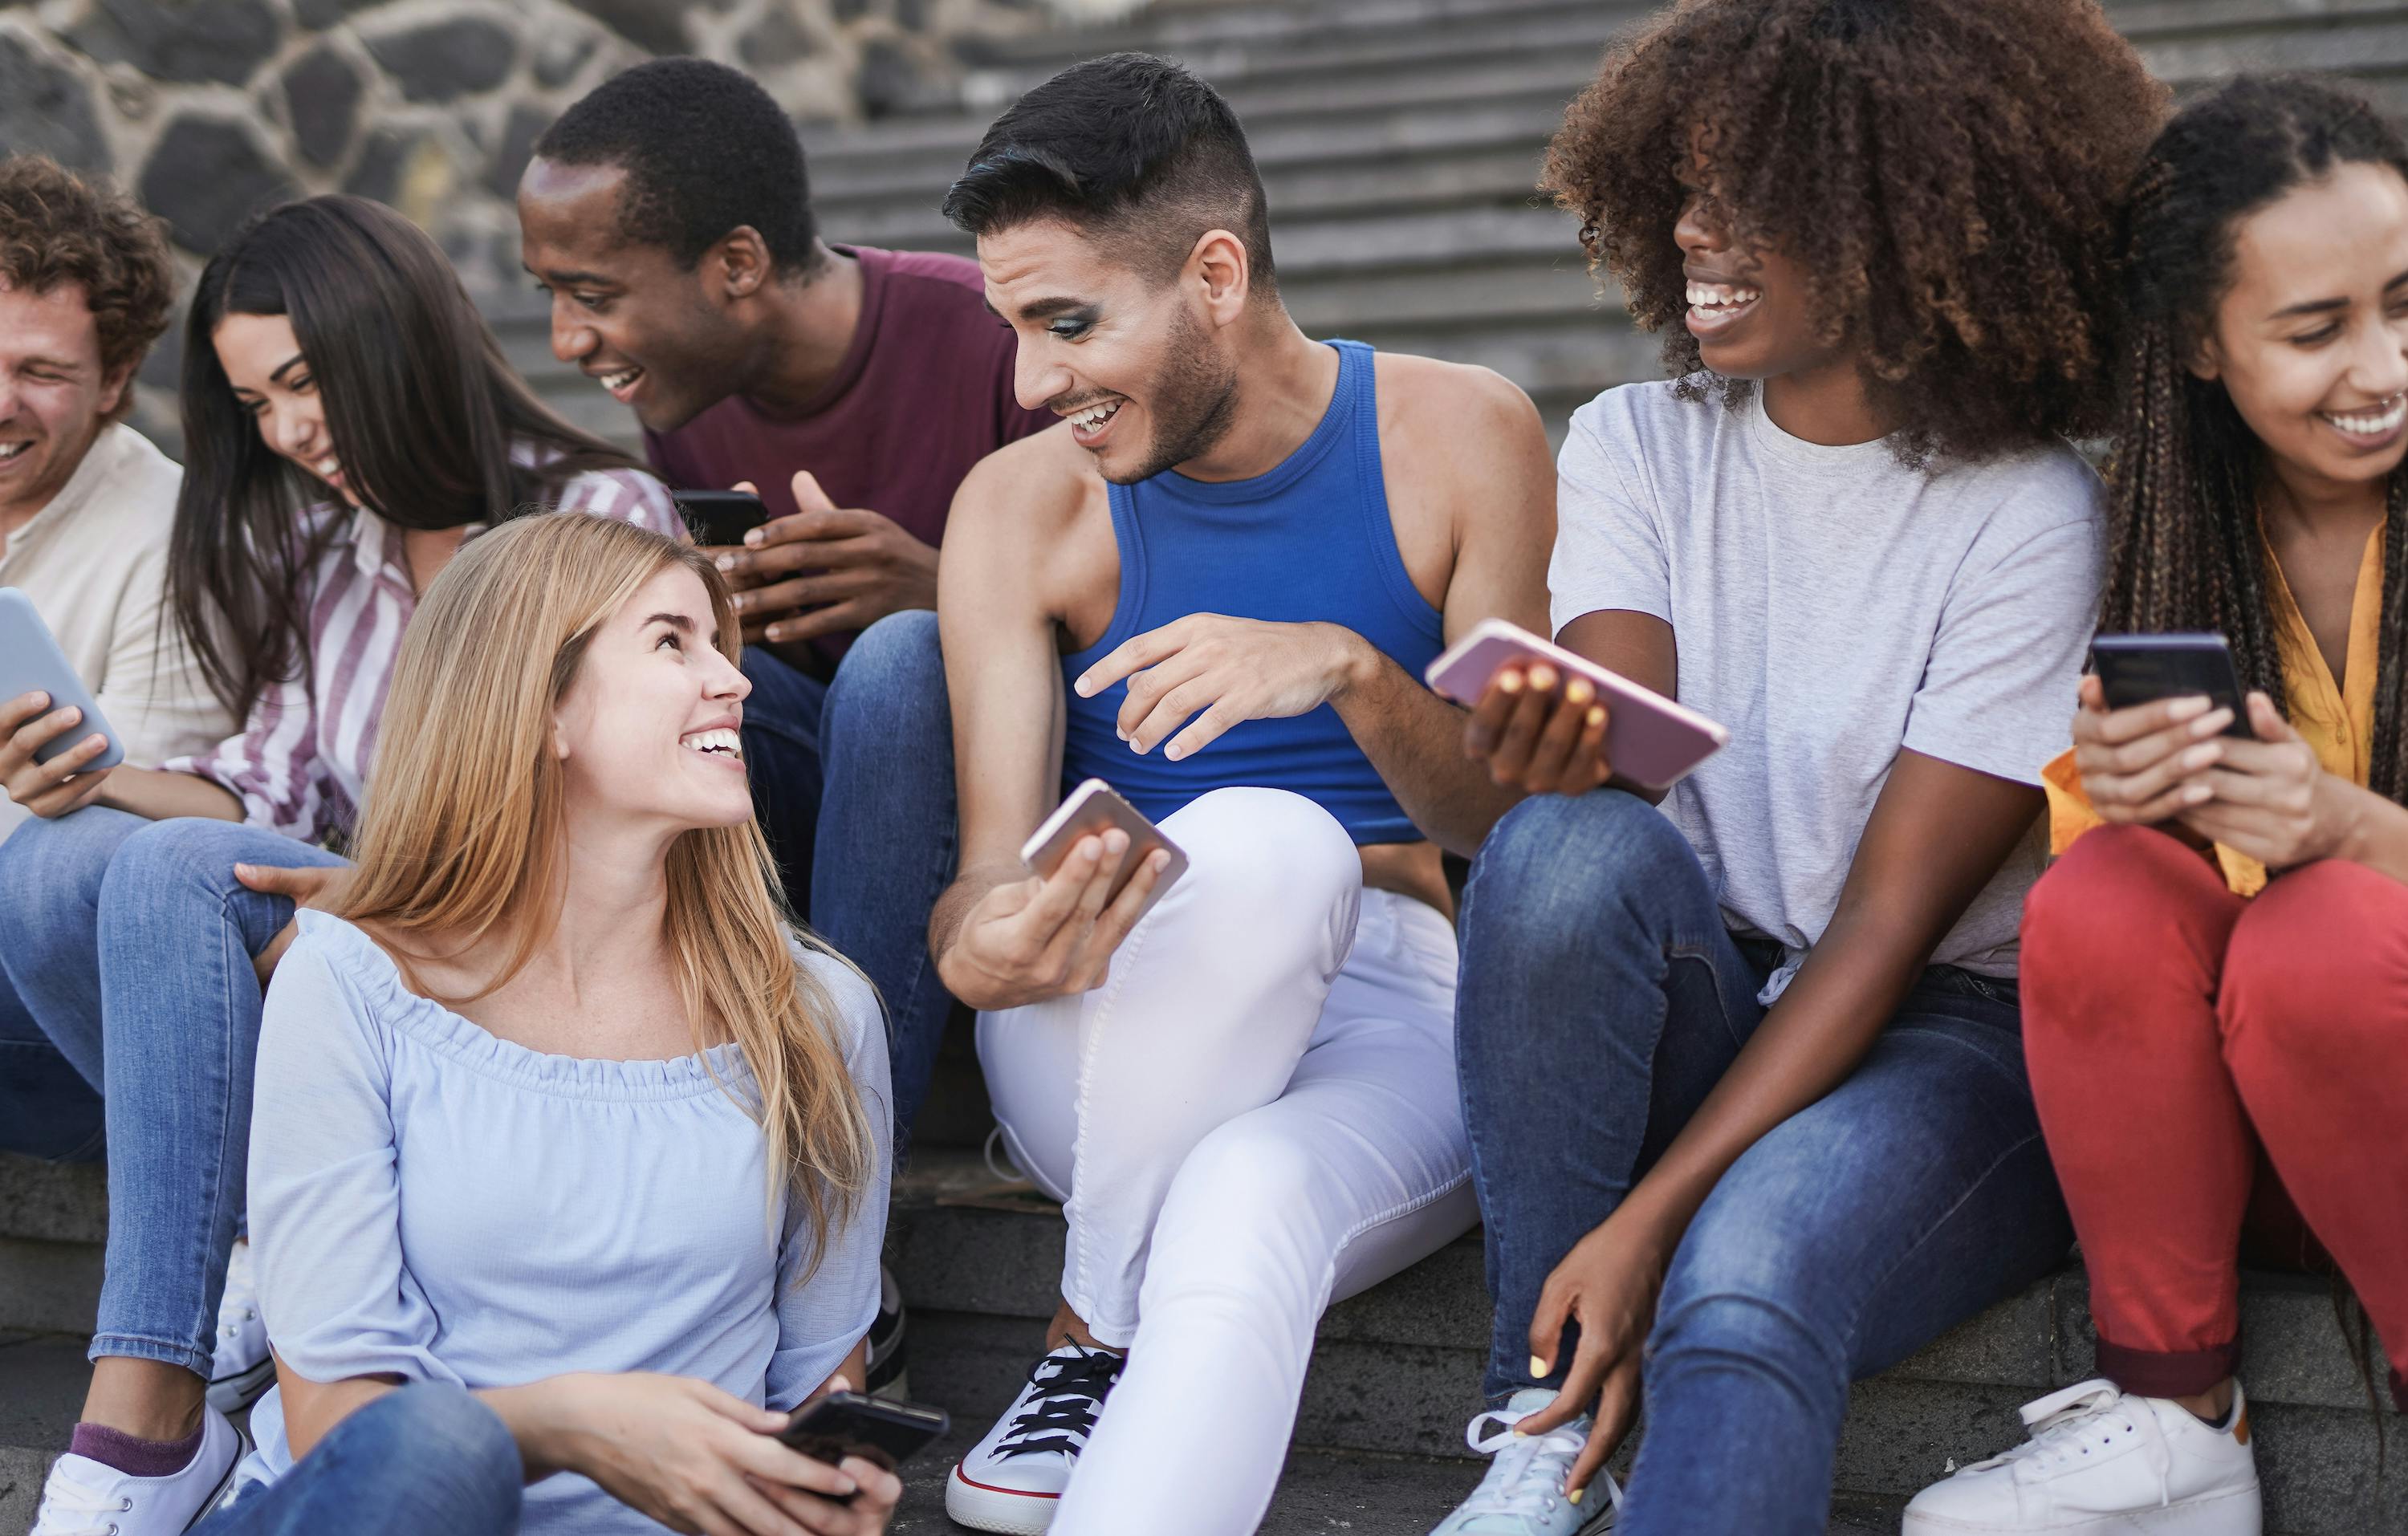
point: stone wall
(206, 109)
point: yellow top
(2339, 726)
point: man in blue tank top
(1215, 588)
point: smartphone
(845, 1424)
(719, 517)
(1649, 739)
(1093, 807)
(32, 662)
(2136, 670)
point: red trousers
(2209, 1072)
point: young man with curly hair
(85, 506)
(1742, 1069)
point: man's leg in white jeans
(1213, 1000)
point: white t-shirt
(1829, 606)
(94, 562)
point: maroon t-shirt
(924, 393)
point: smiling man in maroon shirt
(668, 214)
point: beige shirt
(93, 562)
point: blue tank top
(1308, 541)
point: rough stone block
(47, 1288)
(185, 41)
(206, 174)
(322, 96)
(656, 26)
(45, 109)
(446, 60)
(57, 1203)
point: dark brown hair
(56, 227)
(1946, 174)
(2186, 550)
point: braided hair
(2185, 551)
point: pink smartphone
(1093, 807)
(1649, 739)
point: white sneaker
(1013, 1480)
(2100, 1462)
(242, 1368)
(1523, 1493)
(88, 1498)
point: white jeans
(1254, 1116)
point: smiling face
(1143, 370)
(1748, 306)
(661, 338)
(54, 394)
(273, 382)
(2311, 341)
(648, 730)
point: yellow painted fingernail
(1579, 692)
(1508, 682)
(1596, 715)
(1538, 1366)
(1575, 1496)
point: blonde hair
(461, 839)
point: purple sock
(132, 1455)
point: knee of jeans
(1743, 1314)
(435, 1427)
(891, 678)
(1266, 863)
(1553, 867)
(189, 854)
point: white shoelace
(1515, 1484)
(63, 1494)
(2063, 1422)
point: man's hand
(27, 725)
(2140, 766)
(1537, 736)
(1221, 671)
(825, 570)
(2269, 799)
(1609, 1285)
(306, 886)
(1030, 940)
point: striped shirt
(300, 764)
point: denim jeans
(1602, 998)
(130, 941)
(426, 1459)
(47, 1109)
(782, 757)
(889, 836)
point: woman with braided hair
(2215, 973)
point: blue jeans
(130, 943)
(781, 758)
(890, 835)
(426, 1458)
(1602, 998)
(47, 1109)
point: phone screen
(845, 1424)
(719, 517)
(2136, 670)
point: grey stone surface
(21, 1470)
(58, 1203)
(45, 109)
(384, 162)
(319, 14)
(509, 161)
(559, 55)
(182, 40)
(47, 1288)
(888, 79)
(321, 97)
(652, 25)
(206, 174)
(443, 61)
(776, 39)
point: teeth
(329, 466)
(2385, 418)
(1096, 416)
(1716, 296)
(616, 381)
(721, 739)
(9, 451)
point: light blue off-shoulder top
(432, 1202)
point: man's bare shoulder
(1035, 486)
(1432, 402)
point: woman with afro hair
(1743, 1067)
(2216, 971)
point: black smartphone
(845, 1424)
(2136, 670)
(719, 517)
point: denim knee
(1736, 1295)
(63, 859)
(891, 684)
(1555, 865)
(438, 1449)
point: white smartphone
(32, 662)
(1649, 739)
(1092, 809)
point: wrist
(1356, 664)
(543, 1419)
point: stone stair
(1399, 140)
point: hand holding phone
(56, 748)
(1606, 724)
(720, 518)
(852, 1424)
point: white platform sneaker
(88, 1498)
(242, 1369)
(2101, 1463)
(1523, 1493)
(1013, 1480)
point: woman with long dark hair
(348, 422)
(2214, 975)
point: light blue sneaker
(1523, 1494)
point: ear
(2207, 362)
(113, 386)
(1219, 268)
(559, 739)
(741, 262)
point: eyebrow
(2325, 306)
(1044, 308)
(678, 621)
(563, 280)
(286, 366)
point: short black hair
(1127, 148)
(705, 149)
